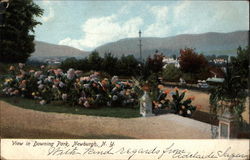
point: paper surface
(31, 149)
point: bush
(171, 73)
(178, 104)
(70, 87)
(70, 63)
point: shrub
(171, 73)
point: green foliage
(181, 106)
(95, 61)
(16, 32)
(109, 64)
(70, 63)
(241, 62)
(211, 57)
(230, 91)
(127, 66)
(171, 73)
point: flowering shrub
(70, 87)
(178, 104)
(47, 85)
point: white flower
(54, 86)
(71, 73)
(39, 82)
(4, 90)
(189, 112)
(114, 89)
(86, 85)
(122, 92)
(64, 96)
(50, 78)
(98, 96)
(38, 73)
(42, 67)
(10, 90)
(86, 104)
(115, 97)
(21, 65)
(61, 84)
(81, 100)
(114, 79)
(41, 77)
(41, 86)
(42, 102)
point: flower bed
(71, 87)
(93, 91)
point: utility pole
(140, 45)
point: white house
(166, 61)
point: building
(166, 61)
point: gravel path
(22, 123)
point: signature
(172, 150)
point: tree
(84, 64)
(241, 62)
(155, 64)
(128, 66)
(95, 61)
(70, 63)
(191, 62)
(171, 73)
(109, 63)
(16, 32)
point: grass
(120, 112)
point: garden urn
(146, 103)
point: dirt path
(22, 123)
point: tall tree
(95, 61)
(17, 30)
(128, 65)
(109, 63)
(241, 62)
(192, 62)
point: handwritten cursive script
(172, 150)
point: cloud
(49, 9)
(180, 17)
(219, 16)
(98, 31)
(50, 16)
(71, 42)
(159, 27)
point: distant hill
(207, 43)
(43, 49)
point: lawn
(58, 107)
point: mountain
(207, 43)
(43, 49)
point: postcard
(124, 79)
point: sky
(88, 24)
